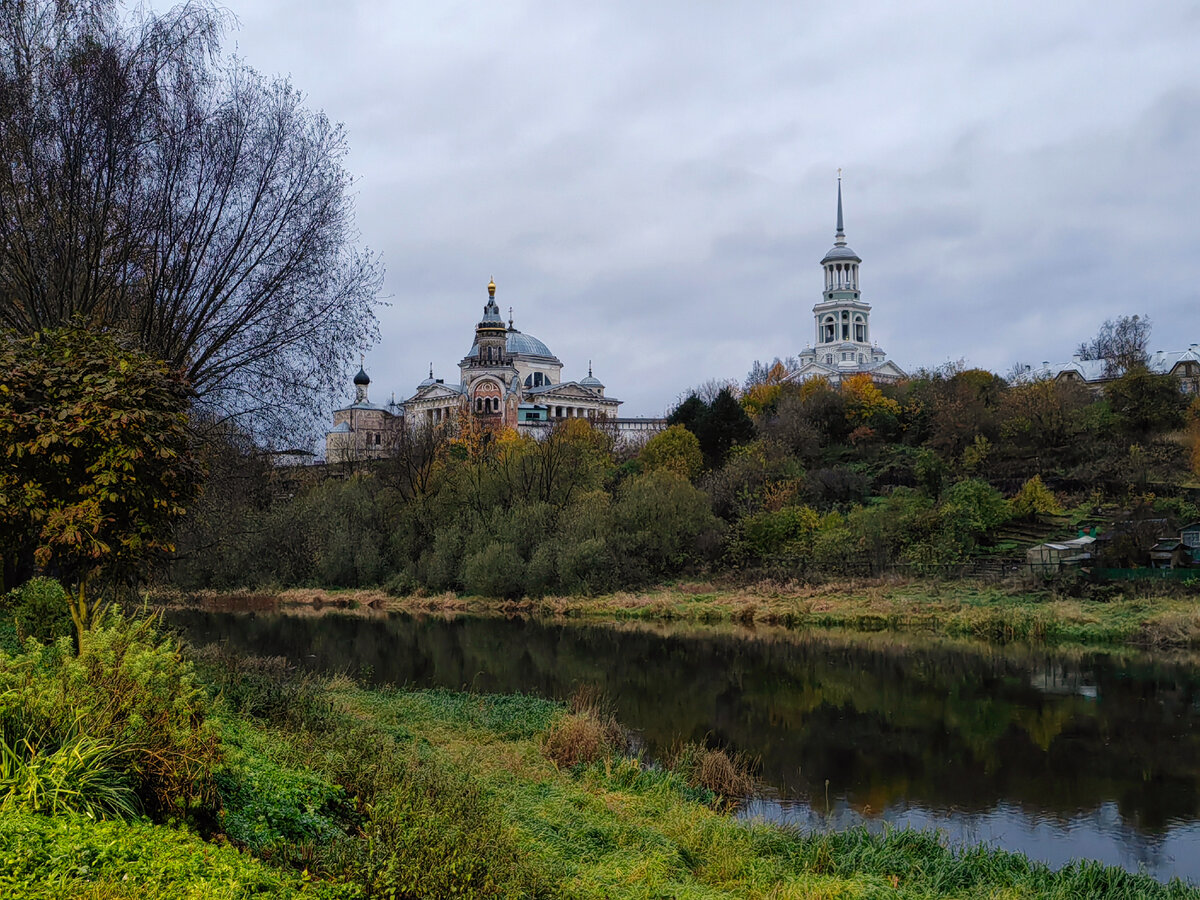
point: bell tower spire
(840, 237)
(843, 345)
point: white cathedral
(510, 379)
(843, 345)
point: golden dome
(491, 288)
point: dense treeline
(855, 479)
(501, 515)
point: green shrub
(495, 571)
(588, 567)
(402, 584)
(270, 808)
(1035, 499)
(788, 531)
(833, 549)
(129, 692)
(975, 508)
(440, 567)
(541, 575)
(659, 524)
(674, 448)
(38, 609)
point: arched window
(479, 404)
(829, 359)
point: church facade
(842, 343)
(362, 430)
(508, 379)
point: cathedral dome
(519, 344)
(361, 377)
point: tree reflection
(886, 719)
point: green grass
(473, 767)
(83, 775)
(1149, 615)
(1124, 614)
(69, 857)
(326, 789)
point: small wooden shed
(1171, 553)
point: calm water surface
(1061, 755)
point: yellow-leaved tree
(675, 449)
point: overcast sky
(652, 184)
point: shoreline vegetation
(309, 786)
(1155, 616)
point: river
(1058, 754)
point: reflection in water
(1061, 756)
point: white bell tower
(842, 319)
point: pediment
(434, 392)
(812, 370)
(565, 392)
(889, 368)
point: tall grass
(124, 715)
(727, 774)
(589, 731)
(85, 775)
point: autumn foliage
(96, 465)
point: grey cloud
(652, 185)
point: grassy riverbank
(1149, 615)
(307, 787)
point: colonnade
(841, 276)
(573, 412)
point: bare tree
(1121, 343)
(414, 455)
(763, 373)
(151, 186)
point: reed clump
(727, 774)
(588, 732)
